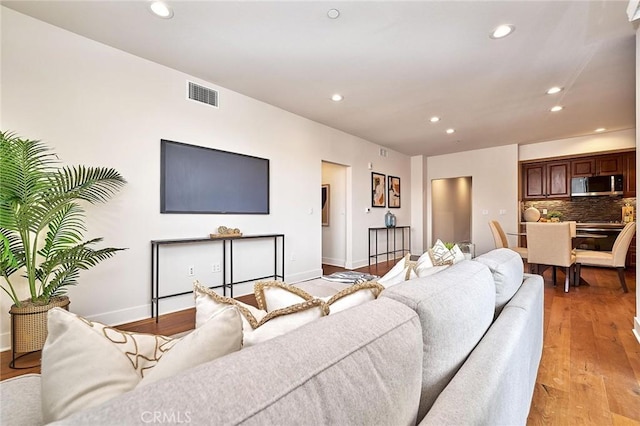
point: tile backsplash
(584, 209)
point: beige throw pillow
(85, 363)
(208, 302)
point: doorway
(451, 209)
(334, 214)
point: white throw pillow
(85, 363)
(425, 267)
(208, 303)
(259, 325)
(353, 296)
(272, 295)
(402, 271)
(281, 321)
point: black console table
(227, 246)
(390, 250)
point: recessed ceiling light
(337, 97)
(333, 13)
(554, 90)
(161, 9)
(449, 131)
(600, 129)
(434, 119)
(502, 31)
(556, 108)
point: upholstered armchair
(609, 259)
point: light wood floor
(590, 368)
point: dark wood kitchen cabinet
(609, 165)
(629, 173)
(551, 179)
(583, 167)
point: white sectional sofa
(456, 348)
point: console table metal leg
(224, 268)
(231, 268)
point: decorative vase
(390, 219)
(29, 325)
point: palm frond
(92, 184)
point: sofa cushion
(507, 270)
(456, 308)
(85, 363)
(320, 373)
(20, 401)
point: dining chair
(549, 244)
(609, 259)
(500, 239)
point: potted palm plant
(41, 231)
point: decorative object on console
(377, 190)
(224, 232)
(390, 220)
(85, 363)
(394, 192)
(42, 225)
(326, 202)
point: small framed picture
(394, 192)
(378, 193)
(326, 200)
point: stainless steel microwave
(596, 185)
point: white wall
(99, 106)
(418, 204)
(334, 236)
(494, 173)
(623, 139)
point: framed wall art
(326, 201)
(378, 193)
(394, 192)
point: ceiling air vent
(203, 94)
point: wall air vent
(202, 94)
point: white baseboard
(636, 328)
(304, 276)
(340, 263)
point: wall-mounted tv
(195, 179)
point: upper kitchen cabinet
(551, 179)
(609, 165)
(629, 173)
(583, 167)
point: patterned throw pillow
(441, 255)
(85, 363)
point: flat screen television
(195, 179)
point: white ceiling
(396, 63)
